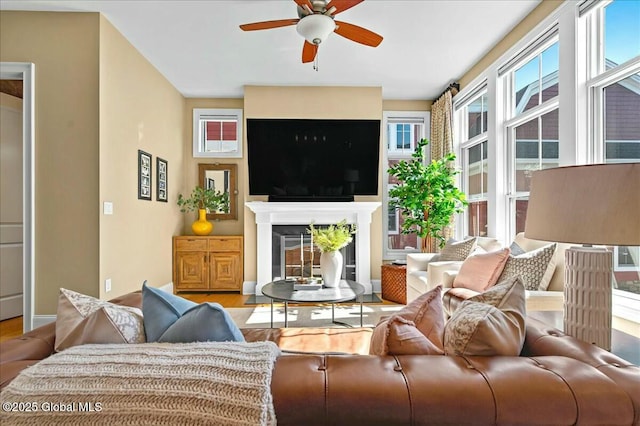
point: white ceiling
(199, 48)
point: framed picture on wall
(161, 179)
(144, 175)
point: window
(403, 137)
(474, 141)
(217, 133)
(533, 127)
(615, 95)
(403, 130)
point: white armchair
(425, 271)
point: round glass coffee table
(283, 291)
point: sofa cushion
(173, 319)
(535, 268)
(481, 271)
(83, 319)
(490, 323)
(415, 329)
(457, 250)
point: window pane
(474, 113)
(527, 154)
(521, 213)
(485, 109)
(478, 219)
(550, 140)
(622, 126)
(621, 32)
(403, 137)
(550, 72)
(478, 168)
(526, 86)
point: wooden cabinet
(207, 263)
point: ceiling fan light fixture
(315, 28)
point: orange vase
(202, 226)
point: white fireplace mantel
(269, 214)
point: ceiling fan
(316, 21)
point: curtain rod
(451, 87)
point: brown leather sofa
(557, 380)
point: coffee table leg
(333, 318)
(286, 309)
(271, 313)
(360, 312)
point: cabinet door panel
(191, 270)
(225, 271)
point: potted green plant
(426, 195)
(330, 240)
(204, 201)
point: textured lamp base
(587, 295)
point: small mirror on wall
(221, 177)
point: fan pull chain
(315, 61)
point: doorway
(17, 252)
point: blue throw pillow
(173, 319)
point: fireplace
(293, 253)
(270, 214)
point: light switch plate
(108, 207)
(107, 285)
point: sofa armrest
(447, 278)
(419, 261)
(436, 271)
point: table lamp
(591, 205)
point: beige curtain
(441, 141)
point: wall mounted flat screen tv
(313, 160)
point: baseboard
(40, 320)
(11, 307)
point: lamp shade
(592, 204)
(315, 28)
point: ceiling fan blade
(358, 34)
(303, 3)
(342, 5)
(268, 24)
(309, 52)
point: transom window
(217, 133)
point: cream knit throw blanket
(207, 383)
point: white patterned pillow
(457, 251)
(491, 323)
(535, 267)
(84, 319)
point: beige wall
(405, 105)
(97, 102)
(64, 48)
(220, 227)
(310, 102)
(541, 11)
(139, 109)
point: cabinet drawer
(225, 244)
(188, 244)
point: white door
(11, 207)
